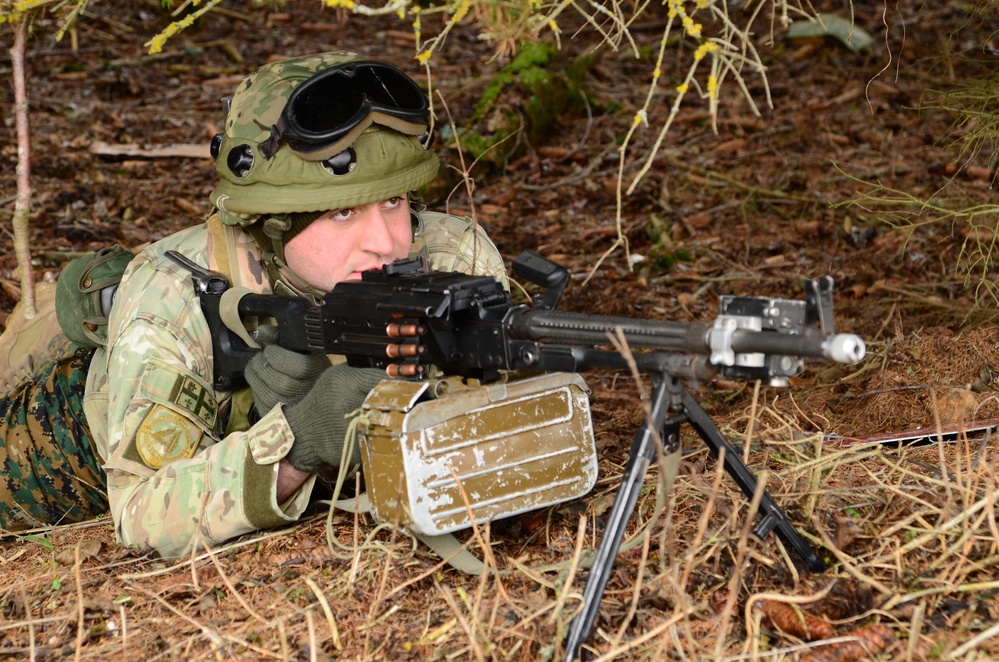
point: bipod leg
(773, 518)
(643, 453)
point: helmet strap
(288, 283)
(269, 236)
(274, 228)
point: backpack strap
(222, 249)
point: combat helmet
(309, 134)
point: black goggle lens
(334, 100)
(327, 106)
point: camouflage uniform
(181, 470)
(184, 466)
(49, 476)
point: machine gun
(404, 318)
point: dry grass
(910, 535)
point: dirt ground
(754, 208)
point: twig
(356, 560)
(752, 420)
(334, 631)
(212, 635)
(31, 626)
(636, 592)
(233, 546)
(975, 642)
(235, 593)
(702, 524)
(215, 637)
(432, 571)
(846, 561)
(312, 635)
(469, 631)
(124, 632)
(573, 566)
(618, 653)
(570, 180)
(283, 638)
(894, 389)
(755, 191)
(983, 587)
(30, 622)
(487, 552)
(377, 601)
(743, 548)
(79, 599)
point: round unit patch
(166, 436)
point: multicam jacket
(179, 475)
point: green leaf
(829, 25)
(41, 541)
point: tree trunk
(22, 206)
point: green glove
(318, 421)
(280, 375)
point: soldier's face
(340, 244)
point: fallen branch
(184, 151)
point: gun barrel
(698, 337)
(578, 328)
(845, 348)
(841, 347)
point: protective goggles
(330, 110)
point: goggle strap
(375, 117)
(275, 133)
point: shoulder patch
(183, 392)
(166, 436)
(195, 399)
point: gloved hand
(280, 375)
(318, 422)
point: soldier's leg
(49, 472)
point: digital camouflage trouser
(49, 473)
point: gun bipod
(672, 405)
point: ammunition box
(439, 454)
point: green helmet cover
(384, 163)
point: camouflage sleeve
(455, 243)
(174, 482)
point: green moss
(540, 87)
(476, 144)
(526, 66)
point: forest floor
(757, 205)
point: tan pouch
(514, 446)
(24, 343)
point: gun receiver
(405, 318)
